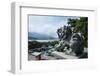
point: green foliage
(53, 43)
(80, 25)
(36, 44)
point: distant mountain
(38, 36)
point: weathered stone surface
(64, 33)
(77, 42)
(69, 42)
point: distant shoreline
(43, 40)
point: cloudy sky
(47, 25)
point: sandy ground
(31, 57)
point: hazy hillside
(38, 36)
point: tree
(80, 25)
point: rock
(77, 42)
(70, 43)
(64, 33)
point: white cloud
(46, 24)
